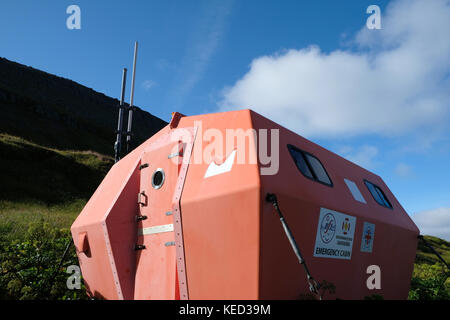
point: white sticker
(334, 238)
(355, 191)
(367, 237)
(226, 166)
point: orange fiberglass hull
(164, 226)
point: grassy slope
(44, 183)
(425, 255)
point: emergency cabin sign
(335, 232)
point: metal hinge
(140, 196)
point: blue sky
(377, 97)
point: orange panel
(301, 199)
(155, 272)
(229, 243)
(221, 220)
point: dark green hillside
(56, 145)
(33, 173)
(426, 256)
(59, 113)
(41, 183)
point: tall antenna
(118, 144)
(130, 112)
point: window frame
(313, 173)
(378, 190)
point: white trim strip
(156, 229)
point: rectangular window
(309, 165)
(378, 194)
(301, 162)
(318, 169)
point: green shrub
(28, 267)
(430, 282)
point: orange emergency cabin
(163, 225)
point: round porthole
(158, 178)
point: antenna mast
(118, 144)
(130, 112)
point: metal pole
(130, 112)
(313, 285)
(118, 144)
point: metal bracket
(145, 165)
(177, 154)
(140, 196)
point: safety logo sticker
(334, 238)
(367, 237)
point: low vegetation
(42, 192)
(431, 278)
(30, 267)
(430, 282)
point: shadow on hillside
(31, 173)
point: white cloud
(395, 81)
(434, 222)
(363, 156)
(148, 84)
(203, 45)
(403, 170)
(165, 65)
